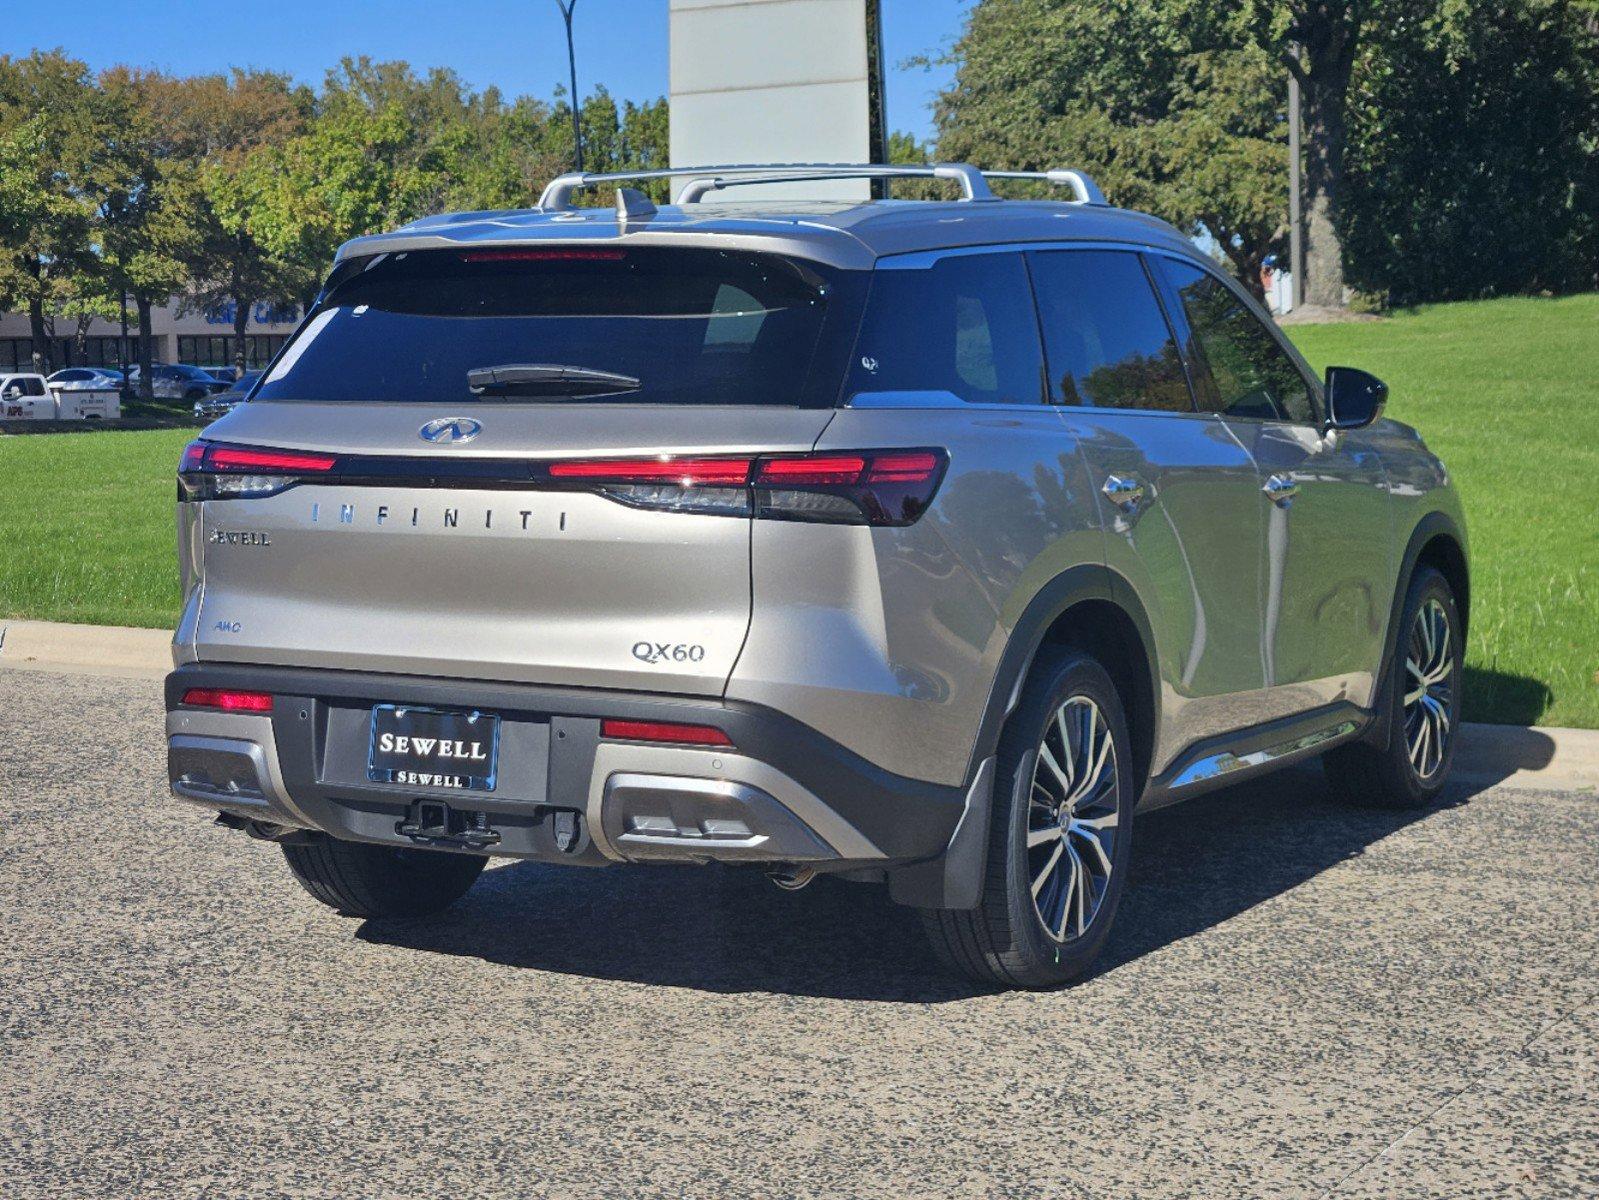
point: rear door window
(689, 326)
(1108, 342)
(1249, 374)
(964, 326)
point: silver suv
(917, 543)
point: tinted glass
(693, 326)
(1250, 374)
(33, 385)
(964, 325)
(1107, 340)
(72, 375)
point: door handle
(1125, 494)
(1282, 489)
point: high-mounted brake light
(228, 701)
(572, 254)
(664, 731)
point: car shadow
(727, 930)
(1502, 697)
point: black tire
(195, 394)
(1373, 776)
(1004, 940)
(362, 880)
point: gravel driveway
(1298, 1000)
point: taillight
(684, 472)
(209, 471)
(875, 487)
(664, 731)
(228, 701)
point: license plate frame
(470, 771)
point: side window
(964, 325)
(1250, 374)
(1106, 338)
(33, 385)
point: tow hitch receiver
(434, 821)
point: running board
(1219, 761)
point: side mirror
(1354, 398)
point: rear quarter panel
(888, 640)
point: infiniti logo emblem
(450, 429)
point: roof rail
(557, 195)
(1087, 191)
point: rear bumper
(784, 794)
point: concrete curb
(85, 649)
(1501, 755)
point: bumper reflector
(664, 731)
(259, 702)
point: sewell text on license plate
(433, 748)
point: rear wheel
(1059, 837)
(1423, 713)
(362, 880)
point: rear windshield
(691, 326)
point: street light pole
(567, 7)
(1296, 224)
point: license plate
(431, 748)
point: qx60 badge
(450, 430)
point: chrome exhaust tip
(791, 879)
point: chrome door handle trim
(1282, 489)
(1125, 494)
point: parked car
(222, 403)
(86, 379)
(917, 543)
(89, 393)
(225, 375)
(25, 396)
(176, 381)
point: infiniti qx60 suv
(923, 543)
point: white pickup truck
(29, 397)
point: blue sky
(518, 46)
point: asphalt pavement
(1298, 1000)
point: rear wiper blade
(548, 379)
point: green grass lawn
(1507, 391)
(86, 526)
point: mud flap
(953, 880)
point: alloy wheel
(1072, 816)
(1429, 689)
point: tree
(1319, 41)
(83, 299)
(215, 121)
(1473, 162)
(149, 223)
(1171, 108)
(54, 127)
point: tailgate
(495, 579)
